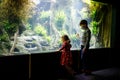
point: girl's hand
(57, 52)
(60, 51)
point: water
(49, 21)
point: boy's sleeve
(88, 36)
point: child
(85, 44)
(66, 56)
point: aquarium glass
(48, 20)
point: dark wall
(117, 29)
(47, 64)
(14, 67)
(112, 2)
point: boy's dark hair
(83, 22)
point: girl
(66, 56)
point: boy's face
(83, 26)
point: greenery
(10, 28)
(28, 26)
(3, 37)
(44, 16)
(48, 38)
(60, 19)
(12, 13)
(95, 28)
(62, 32)
(40, 30)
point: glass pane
(48, 20)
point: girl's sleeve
(63, 46)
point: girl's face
(62, 39)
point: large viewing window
(48, 20)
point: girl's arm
(63, 46)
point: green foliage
(44, 16)
(63, 32)
(94, 24)
(3, 37)
(60, 18)
(12, 11)
(92, 14)
(95, 28)
(48, 38)
(28, 26)
(6, 30)
(10, 28)
(40, 30)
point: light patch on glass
(36, 1)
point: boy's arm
(88, 38)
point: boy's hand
(77, 35)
